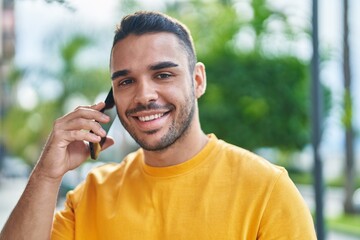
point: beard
(177, 129)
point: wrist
(42, 176)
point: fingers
(81, 116)
(80, 135)
(66, 147)
(88, 112)
(97, 106)
(82, 124)
(87, 125)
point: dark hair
(143, 22)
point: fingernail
(96, 138)
(103, 132)
(105, 117)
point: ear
(199, 79)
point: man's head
(143, 22)
(155, 81)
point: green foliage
(253, 99)
(347, 110)
(346, 223)
(261, 14)
(70, 50)
(26, 130)
(340, 182)
(213, 24)
(300, 176)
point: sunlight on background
(27, 97)
(43, 56)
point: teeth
(151, 117)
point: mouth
(151, 122)
(150, 117)
(147, 118)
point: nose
(146, 92)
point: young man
(181, 183)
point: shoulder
(104, 176)
(109, 171)
(247, 162)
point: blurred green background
(257, 55)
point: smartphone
(110, 110)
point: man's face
(153, 89)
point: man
(181, 183)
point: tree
(347, 117)
(27, 129)
(256, 98)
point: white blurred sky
(37, 21)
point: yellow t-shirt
(224, 192)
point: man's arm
(33, 214)
(65, 150)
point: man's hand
(65, 149)
(67, 146)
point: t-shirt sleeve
(64, 222)
(286, 215)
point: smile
(150, 117)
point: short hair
(143, 22)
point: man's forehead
(148, 49)
(152, 38)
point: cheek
(179, 93)
(120, 107)
(123, 100)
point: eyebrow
(120, 73)
(154, 67)
(161, 65)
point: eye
(163, 76)
(125, 82)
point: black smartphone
(110, 110)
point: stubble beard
(178, 129)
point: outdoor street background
(39, 26)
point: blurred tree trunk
(7, 50)
(347, 117)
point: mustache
(150, 106)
